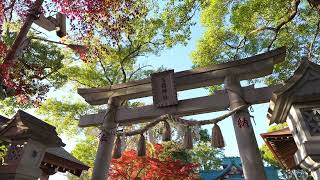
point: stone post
(249, 153)
(106, 143)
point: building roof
(3, 120)
(231, 162)
(303, 86)
(25, 126)
(59, 158)
(282, 146)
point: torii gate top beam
(248, 68)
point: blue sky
(179, 59)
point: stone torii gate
(164, 86)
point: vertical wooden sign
(163, 89)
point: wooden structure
(50, 24)
(282, 146)
(234, 96)
(298, 103)
(34, 149)
(59, 160)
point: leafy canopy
(237, 29)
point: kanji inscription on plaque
(163, 89)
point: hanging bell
(217, 140)
(117, 148)
(141, 147)
(166, 134)
(188, 142)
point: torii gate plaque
(233, 96)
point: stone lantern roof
(303, 86)
(24, 126)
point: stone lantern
(28, 139)
(298, 103)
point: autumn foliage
(111, 15)
(152, 166)
(108, 17)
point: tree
(129, 166)
(3, 151)
(208, 157)
(85, 151)
(114, 24)
(112, 60)
(204, 135)
(26, 82)
(25, 77)
(236, 29)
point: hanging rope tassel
(217, 137)
(166, 136)
(188, 144)
(117, 148)
(141, 147)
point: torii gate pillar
(106, 143)
(247, 143)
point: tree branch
(137, 70)
(10, 6)
(315, 4)
(105, 72)
(293, 12)
(124, 79)
(313, 40)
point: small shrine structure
(163, 87)
(298, 104)
(34, 150)
(232, 170)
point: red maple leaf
(150, 167)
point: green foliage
(108, 62)
(277, 127)
(204, 135)
(176, 151)
(268, 156)
(3, 151)
(9, 106)
(237, 29)
(113, 60)
(85, 151)
(63, 115)
(208, 157)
